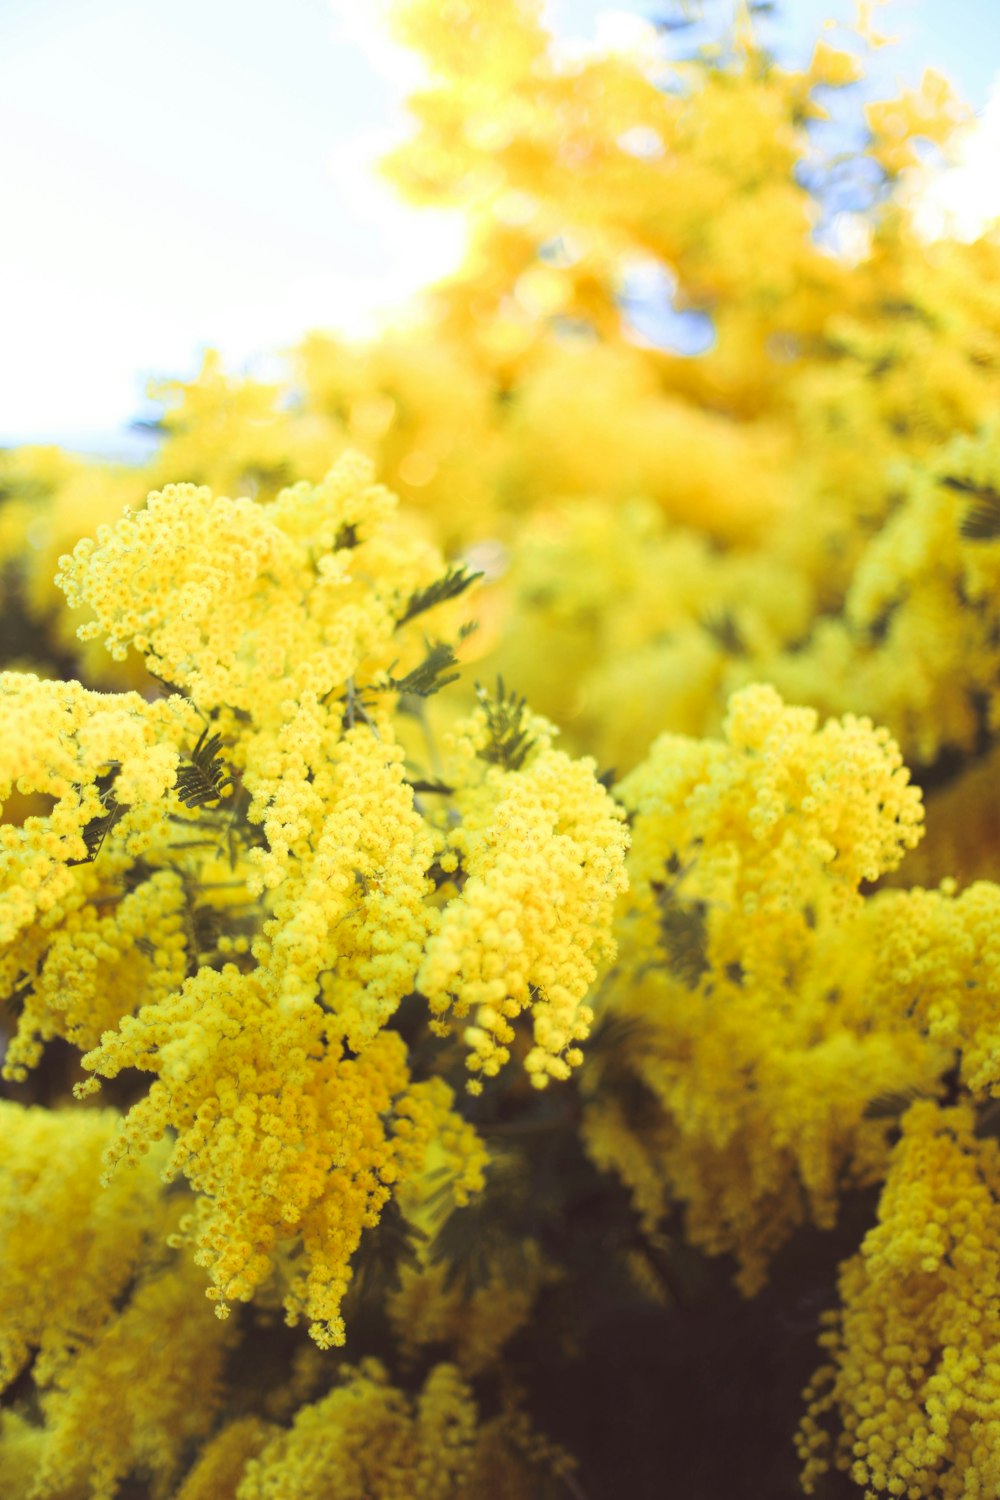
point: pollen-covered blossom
(264, 912)
(936, 961)
(249, 605)
(96, 966)
(781, 812)
(741, 993)
(351, 919)
(914, 1372)
(58, 738)
(248, 893)
(366, 1438)
(69, 1251)
(539, 854)
(282, 1135)
(136, 1398)
(285, 1137)
(126, 1364)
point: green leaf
(510, 742)
(455, 581)
(98, 828)
(385, 1251)
(206, 777)
(892, 1104)
(427, 678)
(981, 522)
(490, 1235)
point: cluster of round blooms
(427, 1311)
(913, 1349)
(282, 1135)
(540, 854)
(69, 1252)
(240, 914)
(366, 1438)
(59, 740)
(743, 977)
(254, 882)
(244, 604)
(125, 1364)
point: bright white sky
(185, 173)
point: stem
(574, 1486)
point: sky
(183, 174)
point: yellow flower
(913, 1372)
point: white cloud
(964, 199)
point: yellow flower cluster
(124, 1362)
(282, 1135)
(102, 961)
(541, 855)
(351, 853)
(426, 1311)
(742, 991)
(58, 740)
(935, 957)
(249, 605)
(256, 987)
(136, 1399)
(69, 1252)
(284, 904)
(780, 813)
(914, 1348)
(366, 1438)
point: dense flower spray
(431, 1057)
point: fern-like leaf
(454, 582)
(429, 677)
(206, 777)
(892, 1104)
(490, 1235)
(510, 741)
(385, 1252)
(981, 522)
(98, 828)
